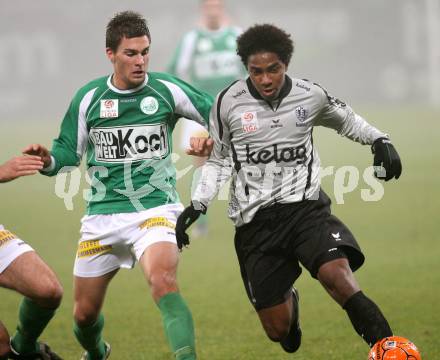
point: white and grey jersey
(268, 149)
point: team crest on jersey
(301, 113)
(149, 105)
(204, 45)
(109, 108)
(130, 143)
(249, 121)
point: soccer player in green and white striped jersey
(123, 123)
(206, 56)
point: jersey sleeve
(217, 169)
(70, 145)
(189, 102)
(337, 115)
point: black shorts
(271, 246)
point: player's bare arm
(40, 151)
(200, 146)
(20, 166)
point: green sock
(90, 337)
(32, 319)
(179, 327)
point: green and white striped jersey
(127, 137)
(208, 59)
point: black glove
(386, 155)
(185, 220)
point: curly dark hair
(127, 24)
(265, 38)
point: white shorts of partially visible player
(11, 247)
(110, 242)
(190, 129)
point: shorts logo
(249, 121)
(336, 237)
(149, 105)
(156, 221)
(109, 108)
(130, 143)
(90, 248)
(6, 236)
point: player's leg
(338, 279)
(292, 341)
(102, 250)
(159, 263)
(4, 342)
(42, 291)
(277, 309)
(366, 317)
(89, 294)
(276, 320)
(329, 251)
(268, 272)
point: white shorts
(190, 129)
(11, 247)
(110, 242)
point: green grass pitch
(398, 234)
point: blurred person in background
(124, 122)
(206, 57)
(23, 271)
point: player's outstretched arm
(200, 146)
(386, 156)
(185, 220)
(41, 151)
(20, 166)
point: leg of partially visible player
(42, 291)
(281, 323)
(89, 295)
(268, 277)
(4, 342)
(159, 264)
(276, 320)
(367, 319)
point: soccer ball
(394, 348)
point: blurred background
(381, 57)
(372, 52)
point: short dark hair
(127, 24)
(265, 38)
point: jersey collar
(285, 90)
(222, 29)
(128, 91)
